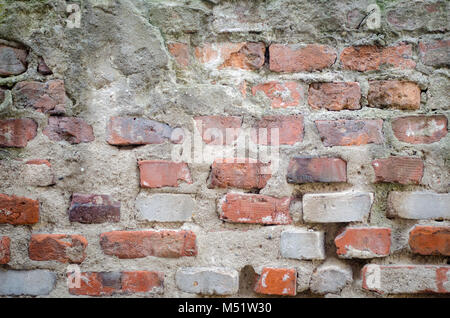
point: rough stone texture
(33, 282)
(18, 210)
(307, 170)
(435, 53)
(331, 277)
(363, 242)
(58, 247)
(395, 94)
(5, 252)
(48, 97)
(207, 280)
(334, 96)
(13, 61)
(350, 132)
(430, 240)
(160, 173)
(254, 208)
(43, 67)
(278, 130)
(282, 95)
(403, 170)
(277, 281)
(301, 244)
(336, 207)
(93, 208)
(406, 279)
(420, 129)
(419, 205)
(164, 207)
(70, 129)
(17, 132)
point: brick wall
(231, 148)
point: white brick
(162, 207)
(302, 244)
(336, 207)
(331, 277)
(419, 205)
(208, 280)
(33, 282)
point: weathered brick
(302, 244)
(93, 208)
(307, 170)
(290, 130)
(406, 279)
(38, 172)
(48, 97)
(370, 57)
(331, 277)
(110, 283)
(403, 170)
(5, 252)
(435, 52)
(350, 132)
(58, 247)
(218, 130)
(336, 207)
(239, 173)
(281, 94)
(71, 129)
(161, 173)
(277, 281)
(165, 207)
(295, 58)
(2, 95)
(138, 244)
(180, 52)
(254, 208)
(420, 129)
(363, 242)
(17, 132)
(33, 282)
(13, 61)
(207, 280)
(334, 96)
(394, 94)
(18, 210)
(419, 205)
(430, 240)
(242, 55)
(43, 67)
(132, 131)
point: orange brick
(290, 130)
(430, 240)
(277, 281)
(282, 95)
(5, 252)
(365, 242)
(160, 173)
(18, 210)
(58, 247)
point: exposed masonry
(92, 122)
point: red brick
(243, 55)
(277, 281)
(282, 95)
(401, 170)
(18, 210)
(420, 129)
(71, 129)
(294, 58)
(17, 132)
(364, 242)
(290, 130)
(350, 132)
(13, 61)
(430, 240)
(5, 253)
(43, 68)
(370, 57)
(334, 96)
(435, 52)
(58, 247)
(138, 244)
(129, 131)
(254, 208)
(109, 283)
(394, 94)
(180, 52)
(160, 173)
(307, 170)
(49, 97)
(218, 130)
(93, 208)
(239, 173)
